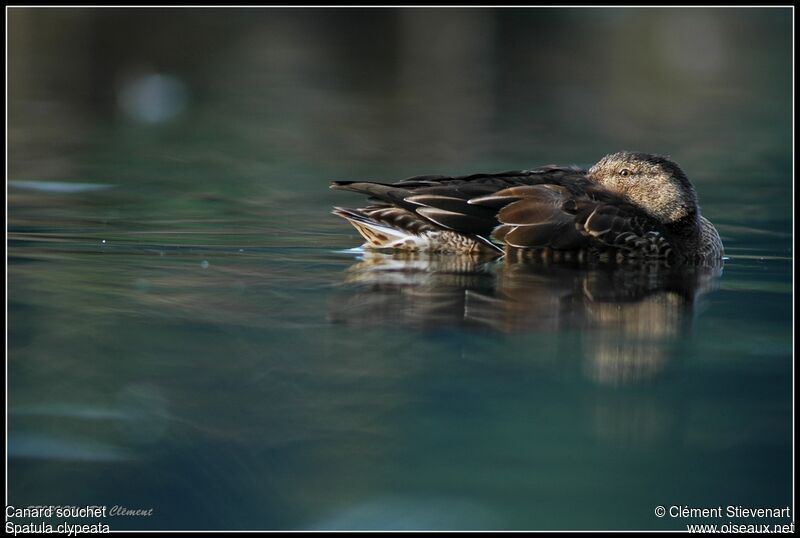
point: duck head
(652, 182)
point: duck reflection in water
(629, 317)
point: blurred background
(240, 100)
(176, 282)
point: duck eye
(624, 172)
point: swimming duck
(627, 206)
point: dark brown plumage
(629, 205)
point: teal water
(191, 331)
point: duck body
(627, 206)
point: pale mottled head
(652, 182)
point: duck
(628, 206)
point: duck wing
(555, 216)
(445, 201)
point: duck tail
(377, 234)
